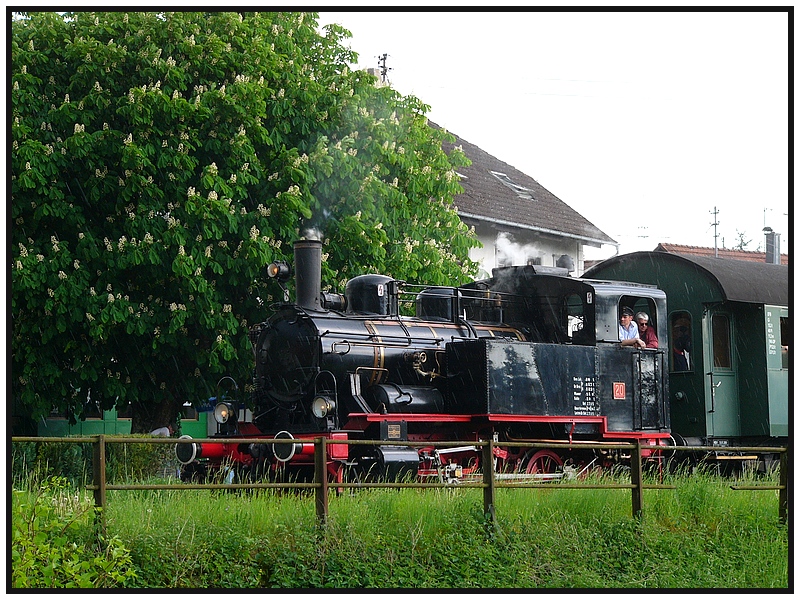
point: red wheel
(544, 462)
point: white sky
(643, 122)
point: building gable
(495, 192)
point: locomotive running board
(596, 420)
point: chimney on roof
(773, 246)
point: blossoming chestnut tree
(161, 160)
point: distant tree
(161, 160)
(741, 244)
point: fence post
(637, 495)
(321, 476)
(488, 480)
(783, 494)
(99, 480)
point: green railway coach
(729, 337)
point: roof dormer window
(521, 191)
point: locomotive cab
(611, 297)
(555, 308)
(572, 364)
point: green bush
(132, 462)
(58, 459)
(53, 545)
(74, 461)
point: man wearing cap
(628, 330)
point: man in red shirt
(646, 333)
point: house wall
(504, 248)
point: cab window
(575, 316)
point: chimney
(773, 246)
(308, 273)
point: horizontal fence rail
(488, 480)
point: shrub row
(74, 461)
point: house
(518, 221)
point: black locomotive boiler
(531, 354)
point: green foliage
(137, 462)
(74, 461)
(23, 458)
(161, 160)
(71, 461)
(52, 544)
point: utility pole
(715, 223)
(384, 69)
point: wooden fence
(489, 481)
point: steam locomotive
(529, 355)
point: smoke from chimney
(312, 233)
(510, 253)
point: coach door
(722, 397)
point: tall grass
(701, 535)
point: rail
(490, 481)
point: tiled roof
(721, 253)
(511, 198)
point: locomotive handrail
(370, 339)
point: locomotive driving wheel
(544, 462)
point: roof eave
(585, 239)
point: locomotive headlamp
(278, 270)
(223, 412)
(322, 406)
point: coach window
(681, 341)
(721, 333)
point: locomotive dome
(371, 294)
(436, 303)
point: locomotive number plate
(619, 390)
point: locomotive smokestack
(308, 273)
